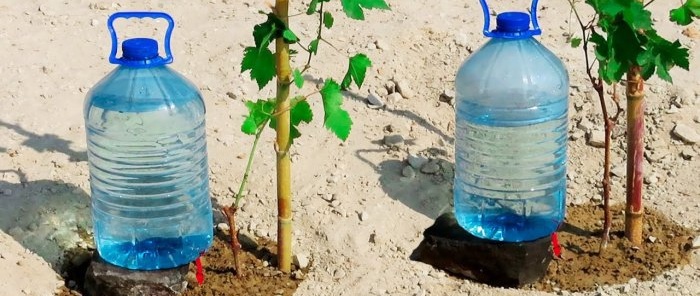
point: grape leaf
(261, 63)
(684, 15)
(637, 17)
(259, 112)
(328, 20)
(263, 33)
(312, 7)
(298, 79)
(353, 8)
(289, 36)
(575, 42)
(313, 46)
(336, 119)
(299, 112)
(357, 69)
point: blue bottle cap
(140, 49)
(512, 22)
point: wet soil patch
(666, 246)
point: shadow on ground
(45, 142)
(47, 217)
(428, 194)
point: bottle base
(508, 227)
(154, 253)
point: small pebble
(686, 133)
(696, 243)
(394, 98)
(381, 44)
(403, 87)
(596, 138)
(374, 101)
(393, 140)
(301, 260)
(431, 167)
(223, 227)
(298, 275)
(408, 172)
(652, 239)
(363, 216)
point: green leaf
(312, 7)
(357, 69)
(261, 63)
(264, 33)
(298, 79)
(313, 46)
(354, 8)
(336, 119)
(299, 112)
(289, 36)
(259, 112)
(662, 69)
(682, 16)
(637, 17)
(327, 19)
(575, 42)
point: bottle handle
(140, 14)
(487, 19)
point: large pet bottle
(148, 158)
(511, 135)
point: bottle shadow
(47, 217)
(428, 194)
(45, 142)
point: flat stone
(393, 140)
(105, 279)
(431, 167)
(447, 246)
(374, 101)
(686, 133)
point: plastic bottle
(147, 154)
(511, 135)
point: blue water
(510, 142)
(149, 178)
(510, 181)
(155, 253)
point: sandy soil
(52, 52)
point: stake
(635, 155)
(284, 195)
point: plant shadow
(47, 217)
(45, 142)
(401, 113)
(428, 194)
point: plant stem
(230, 213)
(609, 121)
(635, 155)
(284, 195)
(249, 166)
(319, 36)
